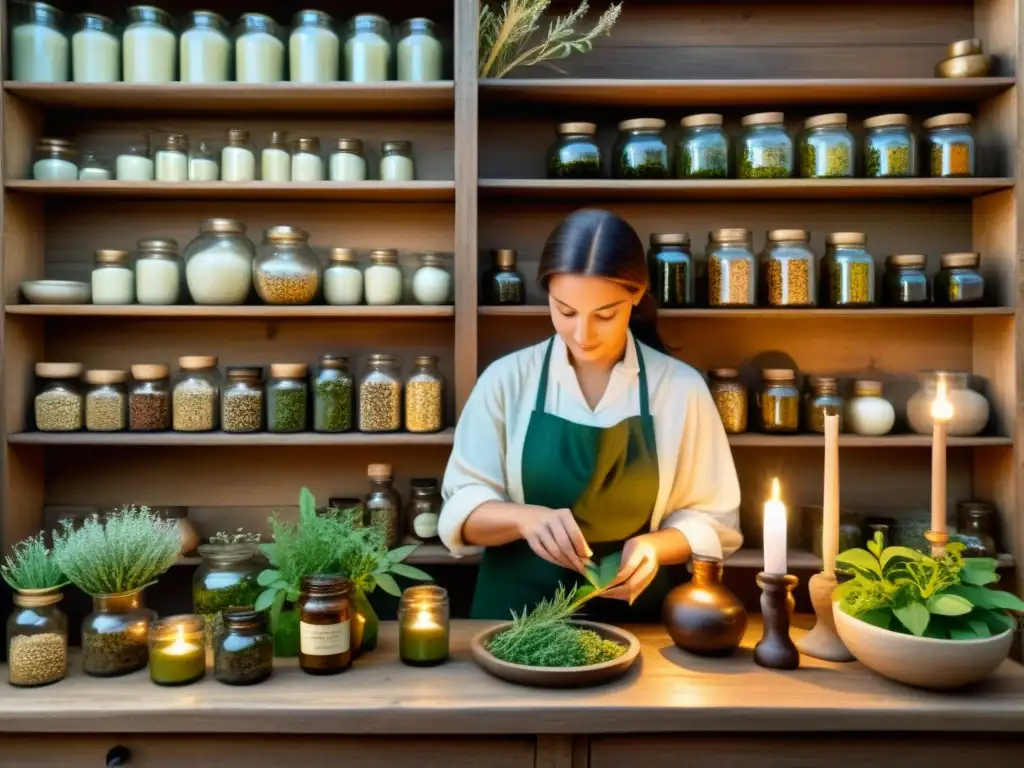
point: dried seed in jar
(114, 653)
(735, 289)
(195, 405)
(836, 162)
(780, 413)
(287, 289)
(732, 407)
(851, 283)
(789, 283)
(895, 161)
(58, 412)
(242, 410)
(953, 159)
(38, 659)
(149, 411)
(424, 406)
(104, 411)
(380, 406)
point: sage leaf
(949, 605)
(268, 577)
(398, 554)
(914, 617)
(988, 598)
(265, 599)
(410, 572)
(388, 584)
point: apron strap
(542, 387)
(645, 404)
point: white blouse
(698, 491)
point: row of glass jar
(765, 150)
(783, 274)
(281, 160)
(199, 400)
(150, 50)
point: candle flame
(181, 634)
(775, 489)
(942, 409)
(424, 620)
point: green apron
(608, 477)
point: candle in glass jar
(775, 533)
(177, 650)
(942, 412)
(423, 626)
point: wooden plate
(558, 677)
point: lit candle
(775, 533)
(177, 650)
(830, 506)
(942, 412)
(423, 626)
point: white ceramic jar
(347, 161)
(237, 158)
(93, 168)
(170, 161)
(313, 48)
(202, 164)
(150, 47)
(55, 160)
(275, 161)
(95, 50)
(396, 161)
(867, 412)
(420, 55)
(157, 272)
(112, 278)
(205, 48)
(343, 280)
(259, 49)
(432, 284)
(218, 263)
(307, 165)
(39, 47)
(367, 49)
(382, 281)
(971, 409)
(134, 163)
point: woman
(588, 443)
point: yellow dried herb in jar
(779, 400)
(730, 396)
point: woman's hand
(553, 535)
(638, 569)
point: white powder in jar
(220, 274)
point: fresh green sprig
(31, 565)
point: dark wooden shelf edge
(751, 440)
(542, 310)
(217, 439)
(207, 312)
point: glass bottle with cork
(641, 151)
(890, 149)
(765, 150)
(383, 503)
(950, 144)
(242, 400)
(149, 398)
(287, 395)
(671, 270)
(424, 396)
(504, 285)
(827, 148)
(703, 149)
(325, 625)
(824, 400)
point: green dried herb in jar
(703, 151)
(575, 153)
(641, 151)
(287, 393)
(826, 147)
(765, 149)
(333, 393)
(890, 148)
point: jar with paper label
(827, 147)
(732, 268)
(950, 145)
(58, 401)
(847, 271)
(640, 151)
(55, 160)
(135, 162)
(218, 263)
(347, 161)
(205, 48)
(671, 270)
(287, 271)
(112, 279)
(39, 46)
(343, 279)
(380, 395)
(367, 49)
(703, 151)
(824, 400)
(890, 149)
(106, 401)
(325, 625)
(275, 160)
(432, 283)
(170, 160)
(149, 398)
(94, 168)
(424, 508)
(307, 165)
(202, 164)
(196, 394)
(420, 54)
(779, 401)
(382, 280)
(905, 283)
(157, 272)
(287, 397)
(95, 50)
(788, 269)
(333, 391)
(959, 282)
(575, 153)
(241, 400)
(730, 396)
(314, 52)
(150, 46)
(259, 49)
(238, 157)
(765, 150)
(396, 162)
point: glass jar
(504, 285)
(788, 268)
(368, 49)
(149, 399)
(827, 148)
(382, 503)
(238, 157)
(157, 272)
(205, 48)
(259, 49)
(779, 401)
(37, 639)
(276, 159)
(703, 150)
(39, 46)
(971, 409)
(396, 163)
(868, 413)
(671, 270)
(287, 395)
(55, 160)
(307, 165)
(150, 47)
(380, 395)
(419, 53)
(950, 143)
(135, 162)
(325, 625)
(424, 508)
(575, 153)
(432, 283)
(287, 271)
(890, 148)
(905, 283)
(94, 168)
(113, 281)
(177, 650)
(641, 151)
(424, 396)
(382, 280)
(196, 397)
(115, 636)
(106, 400)
(847, 271)
(732, 268)
(170, 161)
(333, 395)
(241, 401)
(765, 150)
(423, 626)
(824, 400)
(95, 50)
(226, 578)
(218, 263)
(58, 402)
(959, 283)
(202, 164)
(343, 280)
(976, 527)
(314, 52)
(730, 396)
(245, 653)
(347, 161)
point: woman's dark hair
(597, 243)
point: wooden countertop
(668, 691)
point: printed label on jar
(424, 525)
(324, 639)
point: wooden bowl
(558, 677)
(56, 291)
(972, 65)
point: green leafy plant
(125, 552)
(31, 565)
(903, 590)
(509, 37)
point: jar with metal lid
(149, 46)
(890, 148)
(218, 263)
(55, 160)
(135, 162)
(205, 48)
(367, 49)
(765, 149)
(779, 401)
(382, 503)
(641, 151)
(703, 150)
(333, 390)
(286, 271)
(432, 283)
(380, 395)
(37, 639)
(959, 283)
(824, 400)
(170, 160)
(671, 270)
(106, 401)
(196, 394)
(307, 165)
(419, 53)
(95, 50)
(325, 625)
(827, 147)
(976, 523)
(94, 168)
(241, 400)
(113, 281)
(244, 654)
(788, 269)
(424, 396)
(276, 159)
(343, 279)
(259, 49)
(287, 395)
(382, 280)
(847, 271)
(347, 161)
(868, 413)
(202, 163)
(39, 45)
(149, 398)
(58, 401)
(237, 157)
(504, 285)
(314, 50)
(157, 272)
(732, 268)
(424, 508)
(905, 283)
(396, 163)
(950, 142)
(575, 153)
(730, 396)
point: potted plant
(924, 621)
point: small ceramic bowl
(973, 65)
(56, 291)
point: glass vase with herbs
(641, 151)
(703, 149)
(504, 285)
(226, 578)
(575, 153)
(765, 149)
(382, 503)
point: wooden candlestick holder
(822, 642)
(938, 540)
(775, 649)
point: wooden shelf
(754, 558)
(227, 98)
(207, 312)
(810, 313)
(751, 440)
(425, 554)
(221, 439)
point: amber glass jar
(730, 396)
(823, 400)
(779, 401)
(325, 625)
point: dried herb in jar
(771, 163)
(895, 161)
(333, 405)
(288, 407)
(706, 163)
(38, 659)
(952, 159)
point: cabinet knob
(118, 756)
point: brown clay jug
(702, 616)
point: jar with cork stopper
(95, 50)
(202, 163)
(765, 150)
(779, 401)
(868, 412)
(218, 263)
(106, 401)
(890, 148)
(275, 162)
(55, 160)
(950, 145)
(847, 271)
(170, 160)
(382, 502)
(424, 396)
(504, 285)
(380, 395)
(788, 268)
(238, 157)
(307, 165)
(112, 279)
(827, 148)
(196, 394)
(347, 162)
(640, 151)
(343, 279)
(730, 396)
(286, 270)
(37, 639)
(732, 268)
(333, 391)
(703, 150)
(149, 398)
(58, 401)
(241, 400)
(905, 283)
(396, 163)
(382, 280)
(671, 266)
(287, 397)
(575, 153)
(432, 283)
(824, 400)
(959, 282)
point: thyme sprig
(31, 565)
